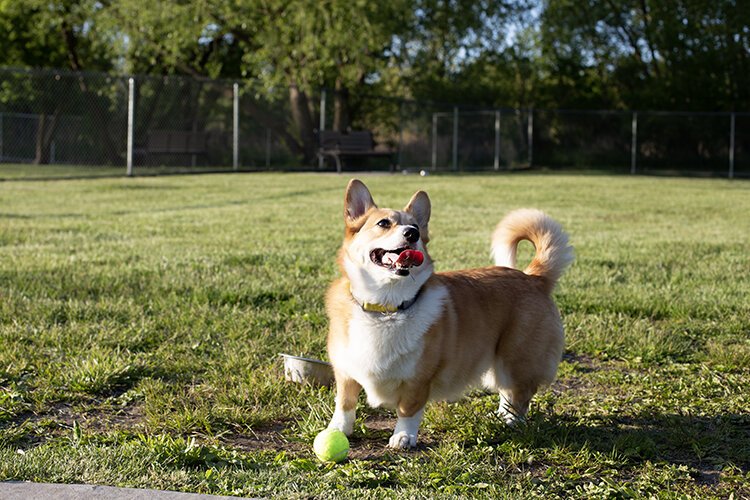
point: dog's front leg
(410, 412)
(347, 393)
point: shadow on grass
(703, 443)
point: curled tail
(553, 254)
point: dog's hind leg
(514, 394)
(514, 404)
(347, 393)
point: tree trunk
(145, 119)
(44, 133)
(41, 157)
(341, 115)
(100, 111)
(101, 118)
(303, 122)
(271, 121)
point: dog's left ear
(357, 202)
(420, 207)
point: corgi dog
(408, 335)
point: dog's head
(375, 253)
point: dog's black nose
(411, 233)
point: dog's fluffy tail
(553, 254)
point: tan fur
(498, 327)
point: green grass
(16, 172)
(34, 172)
(140, 321)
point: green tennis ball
(331, 445)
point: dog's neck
(387, 308)
(383, 292)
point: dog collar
(387, 308)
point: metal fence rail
(155, 123)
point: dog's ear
(357, 201)
(420, 207)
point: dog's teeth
(389, 259)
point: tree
(57, 34)
(675, 54)
(304, 45)
(297, 46)
(60, 34)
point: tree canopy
(619, 54)
(674, 54)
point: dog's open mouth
(399, 260)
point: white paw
(508, 413)
(343, 421)
(402, 440)
(511, 419)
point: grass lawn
(9, 171)
(140, 321)
(16, 172)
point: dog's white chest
(384, 349)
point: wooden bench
(355, 144)
(176, 142)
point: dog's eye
(384, 223)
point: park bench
(355, 144)
(176, 142)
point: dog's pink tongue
(409, 258)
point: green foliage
(309, 44)
(685, 55)
(58, 34)
(555, 53)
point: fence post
(497, 139)
(434, 141)
(131, 110)
(731, 146)
(322, 124)
(235, 126)
(455, 138)
(530, 133)
(633, 142)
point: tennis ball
(331, 445)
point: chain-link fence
(57, 122)
(66, 123)
(622, 141)
(62, 118)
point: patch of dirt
(584, 361)
(266, 438)
(371, 446)
(710, 477)
(99, 421)
(60, 419)
(581, 380)
(374, 446)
